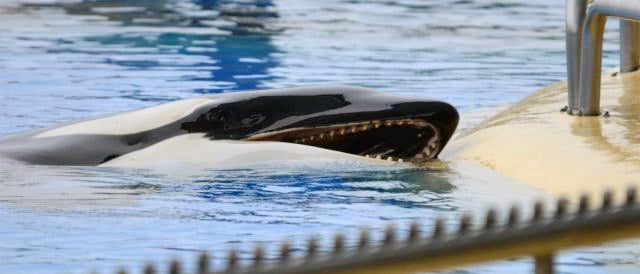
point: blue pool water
(65, 60)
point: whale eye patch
(236, 119)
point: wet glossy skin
(535, 143)
(405, 126)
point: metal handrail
(629, 46)
(585, 30)
(575, 13)
(540, 235)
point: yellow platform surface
(533, 142)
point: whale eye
(252, 120)
(214, 119)
(218, 116)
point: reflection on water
(94, 57)
(63, 60)
(79, 218)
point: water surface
(66, 60)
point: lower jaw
(418, 158)
(389, 158)
(426, 155)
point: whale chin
(403, 140)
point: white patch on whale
(132, 121)
(199, 151)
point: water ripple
(63, 60)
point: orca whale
(345, 119)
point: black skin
(239, 116)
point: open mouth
(402, 140)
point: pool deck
(535, 143)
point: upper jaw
(396, 120)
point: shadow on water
(61, 188)
(407, 188)
(235, 37)
(101, 217)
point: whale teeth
(379, 157)
(400, 160)
(390, 159)
(352, 128)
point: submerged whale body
(344, 120)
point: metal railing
(541, 235)
(585, 29)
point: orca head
(348, 119)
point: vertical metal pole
(544, 264)
(591, 63)
(575, 15)
(629, 46)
